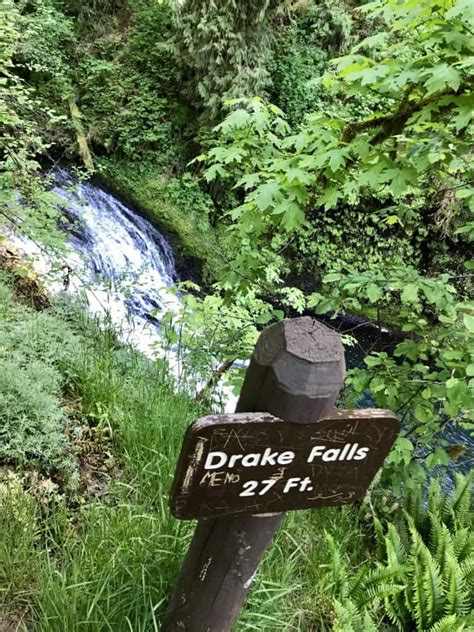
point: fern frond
(414, 507)
(396, 551)
(432, 583)
(351, 619)
(336, 569)
(366, 584)
(462, 500)
(397, 611)
(467, 572)
(463, 544)
(346, 614)
(436, 530)
(380, 591)
(428, 594)
(435, 498)
(369, 625)
(445, 548)
(456, 589)
(448, 624)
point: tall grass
(109, 564)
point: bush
(301, 56)
(32, 420)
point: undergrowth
(72, 560)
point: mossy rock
(175, 204)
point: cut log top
(304, 338)
(296, 371)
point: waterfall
(118, 260)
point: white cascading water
(118, 260)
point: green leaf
(442, 76)
(410, 293)
(236, 119)
(422, 413)
(404, 444)
(438, 457)
(374, 293)
(372, 360)
(265, 195)
(330, 198)
(337, 159)
(469, 322)
(293, 217)
(331, 277)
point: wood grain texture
(296, 371)
(338, 476)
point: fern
(421, 598)
(432, 583)
(447, 624)
(350, 619)
(445, 548)
(463, 543)
(380, 582)
(467, 571)
(461, 504)
(435, 498)
(414, 507)
(425, 574)
(395, 549)
(337, 571)
(457, 594)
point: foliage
(428, 378)
(174, 203)
(43, 49)
(25, 202)
(211, 336)
(405, 166)
(223, 47)
(301, 55)
(32, 420)
(137, 114)
(425, 575)
(110, 552)
(398, 156)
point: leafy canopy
(407, 162)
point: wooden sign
(256, 463)
(240, 472)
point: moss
(175, 204)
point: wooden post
(296, 373)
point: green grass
(75, 562)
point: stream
(124, 266)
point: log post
(296, 372)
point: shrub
(33, 348)
(301, 56)
(31, 419)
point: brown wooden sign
(256, 463)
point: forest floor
(94, 432)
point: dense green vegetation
(98, 548)
(315, 157)
(87, 538)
